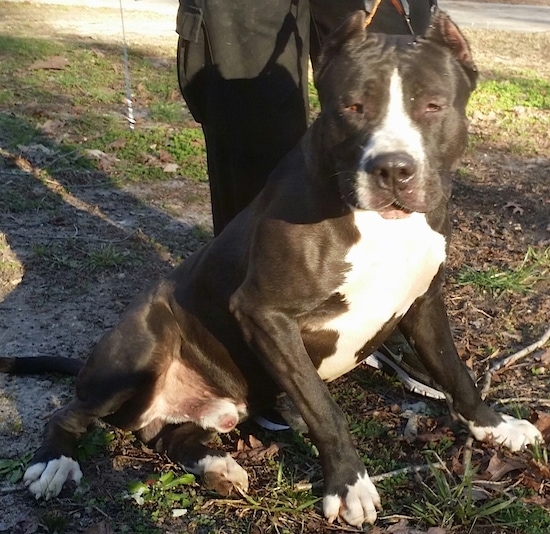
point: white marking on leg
(515, 434)
(358, 506)
(46, 480)
(397, 132)
(223, 466)
(392, 264)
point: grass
(89, 94)
(82, 256)
(535, 267)
(449, 501)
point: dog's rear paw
(46, 479)
(357, 506)
(515, 434)
(223, 475)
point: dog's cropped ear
(444, 31)
(352, 29)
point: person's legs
(243, 72)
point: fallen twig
(411, 469)
(509, 360)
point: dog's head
(393, 113)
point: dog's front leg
(275, 338)
(426, 326)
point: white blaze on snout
(397, 131)
(392, 264)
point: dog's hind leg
(55, 462)
(186, 444)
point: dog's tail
(40, 364)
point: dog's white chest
(392, 265)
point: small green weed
(94, 442)
(104, 257)
(166, 493)
(71, 255)
(55, 521)
(13, 470)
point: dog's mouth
(395, 211)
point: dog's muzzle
(393, 186)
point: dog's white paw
(222, 474)
(46, 480)
(357, 506)
(515, 434)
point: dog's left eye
(432, 107)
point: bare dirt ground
(56, 304)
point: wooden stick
(509, 360)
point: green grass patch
(83, 106)
(449, 501)
(80, 256)
(500, 91)
(521, 279)
(511, 109)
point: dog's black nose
(393, 169)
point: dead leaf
(165, 156)
(26, 526)
(543, 357)
(95, 153)
(171, 167)
(51, 63)
(532, 483)
(400, 528)
(542, 422)
(254, 449)
(30, 150)
(516, 208)
(543, 469)
(106, 163)
(118, 143)
(537, 500)
(499, 467)
(254, 442)
(51, 126)
(435, 435)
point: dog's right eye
(355, 108)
